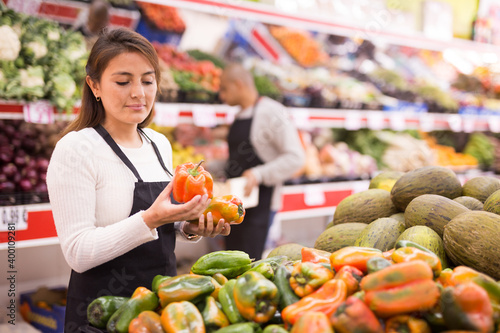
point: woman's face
(127, 88)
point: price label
(166, 114)
(398, 121)
(204, 116)
(352, 121)
(29, 7)
(301, 118)
(427, 122)
(375, 121)
(494, 124)
(455, 122)
(314, 196)
(40, 112)
(469, 123)
(14, 218)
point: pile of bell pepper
(354, 289)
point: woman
(108, 181)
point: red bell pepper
(310, 254)
(354, 316)
(191, 180)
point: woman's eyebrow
(130, 74)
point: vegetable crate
(47, 319)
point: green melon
(433, 211)
(472, 239)
(427, 180)
(364, 207)
(469, 202)
(492, 204)
(385, 180)
(330, 224)
(481, 187)
(381, 234)
(292, 251)
(428, 238)
(339, 236)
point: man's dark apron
(122, 275)
(249, 236)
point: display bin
(45, 319)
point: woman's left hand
(207, 228)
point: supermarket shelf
(209, 115)
(320, 22)
(67, 12)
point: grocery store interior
(372, 86)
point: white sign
(40, 112)
(352, 121)
(314, 196)
(204, 116)
(426, 122)
(166, 114)
(398, 121)
(455, 122)
(494, 124)
(301, 118)
(13, 218)
(375, 121)
(29, 7)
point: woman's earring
(98, 98)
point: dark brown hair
(109, 45)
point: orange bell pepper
(405, 254)
(400, 288)
(182, 317)
(353, 256)
(405, 323)
(467, 307)
(326, 299)
(227, 207)
(310, 254)
(351, 276)
(312, 322)
(307, 277)
(191, 180)
(146, 322)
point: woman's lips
(136, 107)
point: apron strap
(157, 152)
(109, 140)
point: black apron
(122, 275)
(249, 236)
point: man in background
(97, 19)
(264, 148)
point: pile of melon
(428, 206)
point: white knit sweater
(91, 192)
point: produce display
(199, 78)
(304, 49)
(25, 150)
(40, 60)
(352, 289)
(163, 17)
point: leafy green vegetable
(200, 55)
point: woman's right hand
(163, 211)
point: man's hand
(251, 182)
